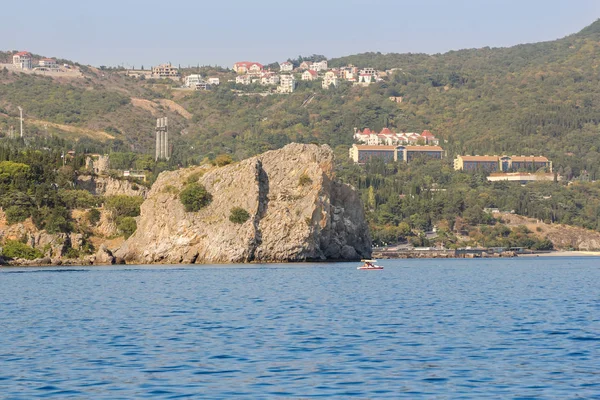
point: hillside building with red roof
(22, 60)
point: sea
(522, 328)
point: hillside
(539, 98)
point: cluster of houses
(24, 60)
(169, 71)
(394, 147)
(389, 138)
(253, 72)
(403, 147)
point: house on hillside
(214, 81)
(329, 79)
(49, 63)
(196, 82)
(319, 66)
(309, 75)
(304, 65)
(287, 84)
(248, 67)
(243, 79)
(286, 66)
(22, 60)
(269, 78)
(165, 71)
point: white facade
(192, 80)
(48, 63)
(269, 79)
(286, 66)
(309, 75)
(214, 81)
(329, 79)
(319, 66)
(22, 60)
(287, 84)
(243, 79)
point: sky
(221, 32)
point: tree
(194, 196)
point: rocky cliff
(107, 186)
(297, 212)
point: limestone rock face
(107, 186)
(297, 213)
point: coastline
(564, 253)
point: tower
(162, 139)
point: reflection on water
(418, 329)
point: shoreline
(422, 255)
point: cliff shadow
(262, 180)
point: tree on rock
(194, 197)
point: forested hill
(541, 98)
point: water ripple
(460, 329)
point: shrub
(15, 249)
(72, 253)
(304, 180)
(223, 159)
(193, 178)
(93, 216)
(124, 206)
(78, 198)
(127, 226)
(57, 220)
(239, 215)
(15, 214)
(194, 196)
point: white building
(269, 79)
(191, 80)
(309, 75)
(319, 66)
(214, 81)
(329, 79)
(22, 60)
(286, 66)
(287, 84)
(243, 79)
(48, 63)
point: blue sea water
(445, 329)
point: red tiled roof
(248, 64)
(386, 131)
(367, 131)
(23, 53)
(312, 72)
(428, 134)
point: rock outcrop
(297, 213)
(107, 186)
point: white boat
(370, 264)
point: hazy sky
(133, 33)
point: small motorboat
(370, 264)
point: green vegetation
(541, 98)
(127, 226)
(194, 196)
(15, 249)
(304, 180)
(239, 215)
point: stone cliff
(297, 212)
